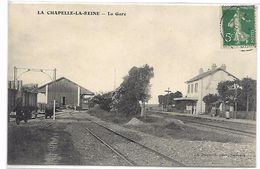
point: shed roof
(210, 72)
(83, 90)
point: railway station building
(65, 93)
(202, 84)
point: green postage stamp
(238, 26)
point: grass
(27, 145)
(165, 127)
(66, 149)
(111, 116)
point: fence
(250, 115)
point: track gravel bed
(92, 152)
(229, 151)
(137, 154)
(192, 153)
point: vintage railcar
(22, 101)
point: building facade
(22, 95)
(65, 93)
(203, 84)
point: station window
(188, 88)
(191, 88)
(196, 87)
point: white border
(3, 83)
(3, 60)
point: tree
(168, 99)
(161, 100)
(244, 94)
(135, 88)
(224, 89)
(248, 94)
(103, 100)
(208, 99)
(228, 91)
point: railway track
(125, 154)
(234, 130)
(221, 128)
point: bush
(128, 108)
(103, 100)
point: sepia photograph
(151, 85)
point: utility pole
(54, 111)
(15, 75)
(114, 78)
(235, 88)
(54, 74)
(167, 99)
(54, 101)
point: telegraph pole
(54, 74)
(168, 92)
(15, 75)
(235, 87)
(54, 101)
(114, 78)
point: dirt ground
(66, 142)
(41, 142)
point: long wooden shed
(64, 92)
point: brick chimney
(213, 66)
(224, 67)
(201, 71)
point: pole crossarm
(34, 69)
(167, 91)
(44, 71)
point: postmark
(238, 26)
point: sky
(93, 51)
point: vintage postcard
(161, 85)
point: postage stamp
(238, 26)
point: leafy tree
(244, 94)
(208, 99)
(227, 91)
(247, 97)
(168, 99)
(134, 89)
(103, 100)
(177, 94)
(161, 100)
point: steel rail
(216, 126)
(131, 140)
(231, 130)
(141, 145)
(111, 148)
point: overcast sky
(175, 40)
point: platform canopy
(186, 99)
